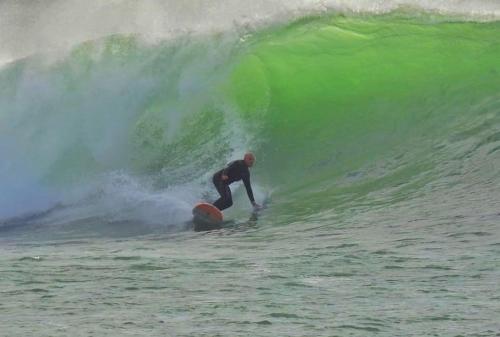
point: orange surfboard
(206, 217)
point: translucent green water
(335, 94)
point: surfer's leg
(226, 199)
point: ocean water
(377, 135)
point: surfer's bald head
(249, 159)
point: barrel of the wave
(206, 217)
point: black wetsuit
(235, 171)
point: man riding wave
(235, 171)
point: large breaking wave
(345, 112)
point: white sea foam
(31, 27)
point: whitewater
(376, 127)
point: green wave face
(349, 105)
(338, 109)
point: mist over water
(109, 110)
(56, 25)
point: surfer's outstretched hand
(256, 206)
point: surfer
(234, 171)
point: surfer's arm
(246, 181)
(223, 174)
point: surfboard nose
(206, 217)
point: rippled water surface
(308, 279)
